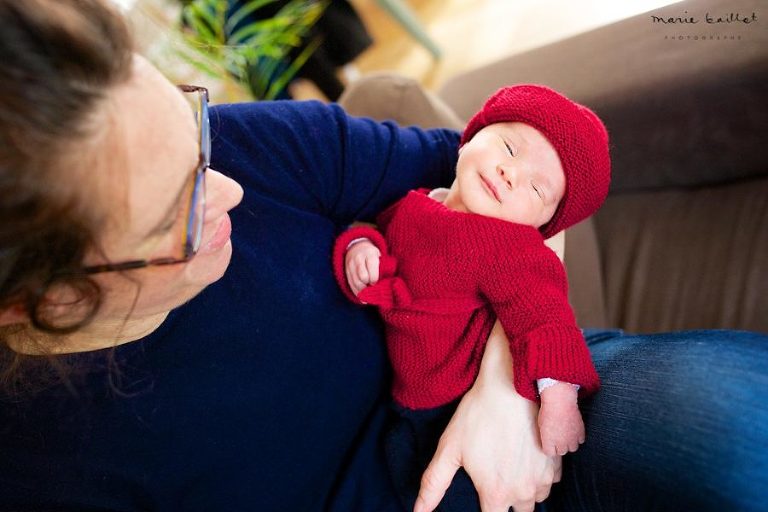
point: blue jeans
(680, 423)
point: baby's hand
(362, 265)
(560, 425)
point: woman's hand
(494, 436)
(361, 264)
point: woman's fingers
(542, 492)
(524, 506)
(494, 500)
(501, 502)
(436, 479)
(558, 461)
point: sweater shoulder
(502, 241)
(315, 157)
(431, 216)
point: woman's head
(97, 154)
(60, 59)
(156, 144)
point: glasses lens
(196, 216)
(205, 128)
(194, 227)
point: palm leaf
(256, 53)
(282, 81)
(244, 11)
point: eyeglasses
(193, 227)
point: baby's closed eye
(537, 190)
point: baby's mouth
(490, 188)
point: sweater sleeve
(529, 294)
(314, 157)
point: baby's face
(509, 171)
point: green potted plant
(226, 37)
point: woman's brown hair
(60, 58)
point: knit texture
(577, 134)
(445, 277)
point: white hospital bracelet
(356, 240)
(546, 382)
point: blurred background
(270, 49)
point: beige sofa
(682, 241)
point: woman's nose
(221, 195)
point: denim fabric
(680, 423)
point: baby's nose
(507, 174)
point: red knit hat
(577, 134)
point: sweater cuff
(340, 251)
(553, 351)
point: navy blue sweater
(268, 390)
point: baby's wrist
(559, 391)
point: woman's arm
(315, 158)
(494, 436)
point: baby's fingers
(548, 446)
(568, 443)
(362, 272)
(579, 436)
(355, 284)
(565, 445)
(372, 269)
(353, 279)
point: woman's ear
(13, 314)
(60, 301)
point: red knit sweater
(444, 278)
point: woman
(262, 391)
(152, 363)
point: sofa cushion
(686, 259)
(585, 279)
(385, 96)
